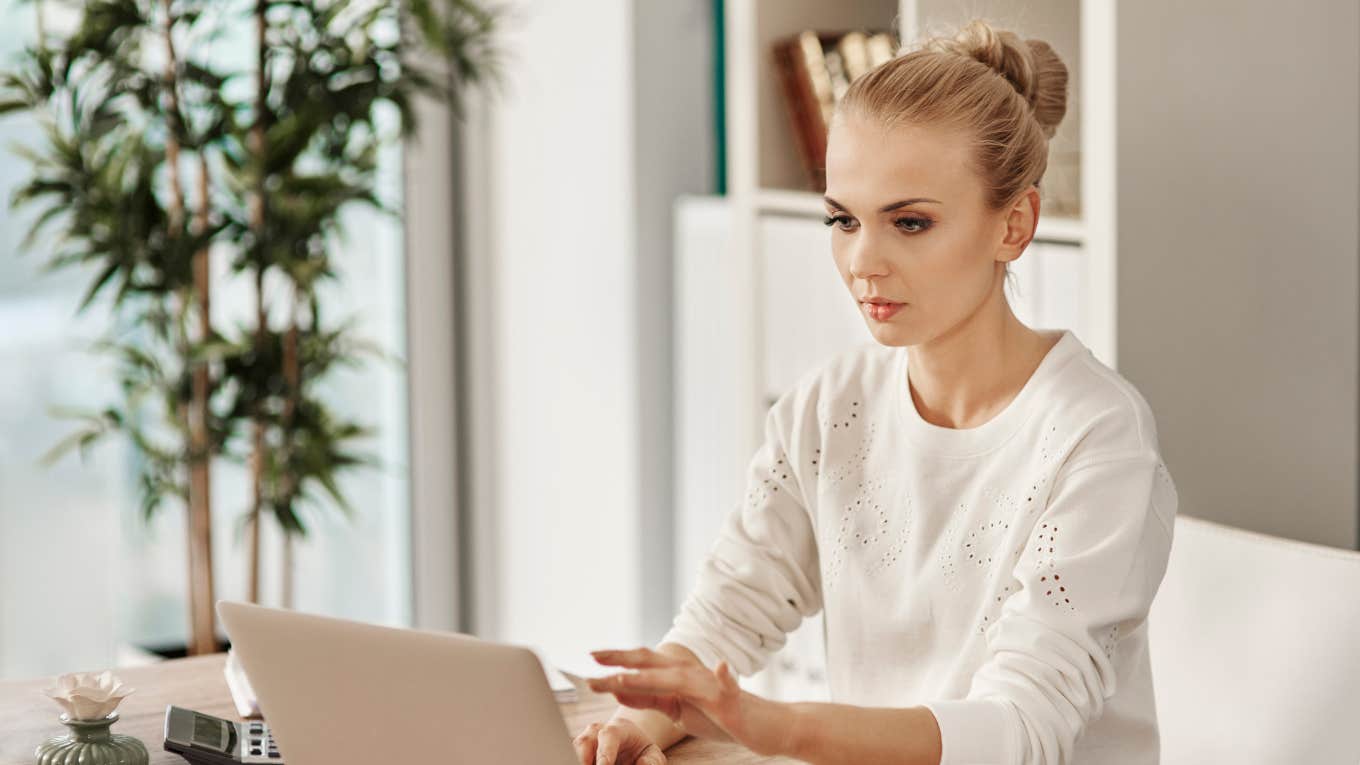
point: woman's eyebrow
(890, 207)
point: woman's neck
(968, 375)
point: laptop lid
(337, 692)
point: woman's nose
(866, 258)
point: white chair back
(1255, 649)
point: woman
(980, 507)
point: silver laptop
(336, 692)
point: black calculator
(201, 738)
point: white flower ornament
(88, 695)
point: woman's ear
(1022, 218)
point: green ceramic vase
(90, 743)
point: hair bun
(1032, 67)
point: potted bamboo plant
(153, 166)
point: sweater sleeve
(761, 576)
(1088, 573)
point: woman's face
(910, 226)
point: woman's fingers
(639, 700)
(652, 756)
(666, 705)
(606, 743)
(726, 678)
(637, 657)
(608, 751)
(682, 681)
(585, 744)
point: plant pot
(90, 743)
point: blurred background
(605, 269)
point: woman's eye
(907, 224)
(840, 221)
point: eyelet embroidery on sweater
(1050, 579)
(978, 544)
(1046, 450)
(889, 557)
(1012, 508)
(874, 512)
(1005, 504)
(995, 608)
(840, 548)
(1165, 476)
(844, 420)
(1110, 641)
(755, 496)
(948, 558)
(776, 474)
(982, 540)
(854, 463)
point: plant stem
(257, 225)
(176, 209)
(257, 452)
(202, 631)
(200, 448)
(40, 24)
(292, 373)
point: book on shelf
(815, 69)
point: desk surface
(28, 718)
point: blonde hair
(1007, 92)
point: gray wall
(1237, 254)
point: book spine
(881, 49)
(814, 58)
(855, 53)
(801, 106)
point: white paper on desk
(584, 665)
(242, 695)
(562, 687)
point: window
(82, 577)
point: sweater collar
(968, 442)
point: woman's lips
(882, 311)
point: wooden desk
(28, 718)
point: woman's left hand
(704, 703)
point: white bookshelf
(774, 292)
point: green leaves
(310, 445)
(339, 80)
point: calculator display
(209, 732)
(203, 739)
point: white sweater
(999, 575)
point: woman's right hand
(617, 742)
